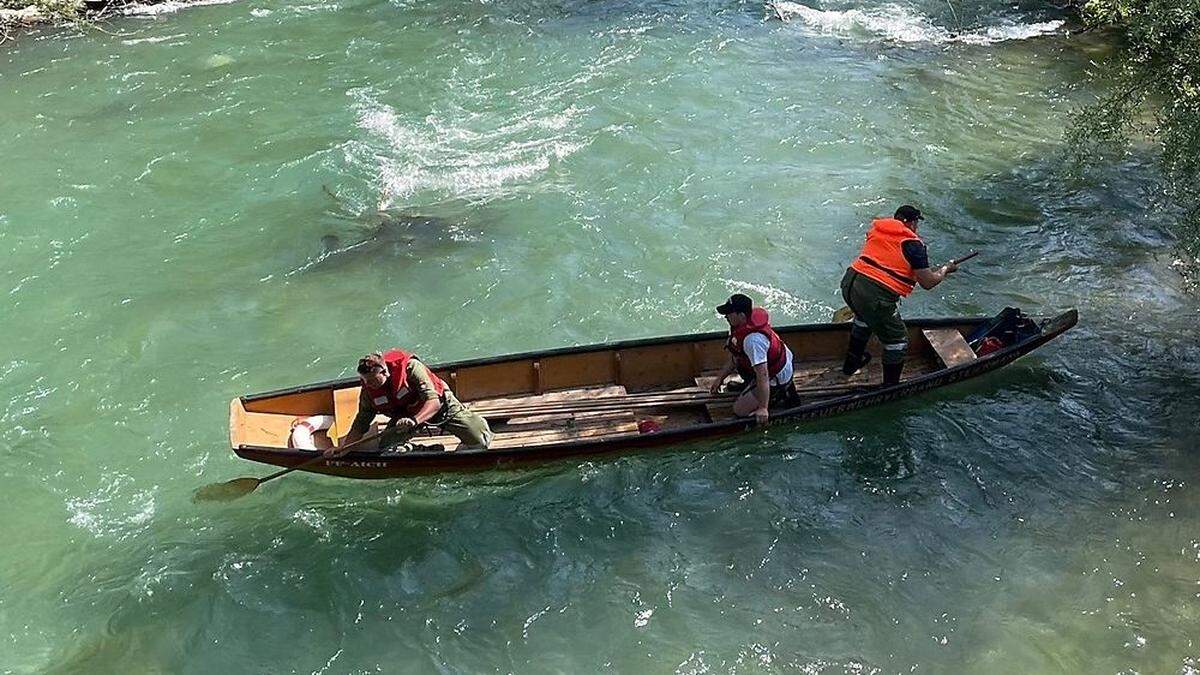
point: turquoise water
(585, 171)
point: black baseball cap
(736, 303)
(909, 213)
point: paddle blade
(227, 491)
(843, 315)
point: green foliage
(49, 9)
(1154, 93)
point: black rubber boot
(856, 352)
(854, 363)
(891, 373)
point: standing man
(893, 261)
(759, 356)
(396, 384)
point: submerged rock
(218, 61)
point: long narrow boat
(618, 397)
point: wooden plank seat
(950, 346)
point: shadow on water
(357, 238)
(387, 236)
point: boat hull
(379, 466)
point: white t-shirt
(757, 345)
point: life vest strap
(890, 272)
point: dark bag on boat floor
(1010, 326)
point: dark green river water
(588, 170)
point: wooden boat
(623, 396)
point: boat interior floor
(594, 412)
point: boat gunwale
(432, 462)
(345, 382)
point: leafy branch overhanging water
(1153, 93)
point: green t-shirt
(418, 380)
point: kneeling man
(396, 384)
(759, 356)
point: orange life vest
(394, 398)
(882, 258)
(758, 322)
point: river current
(170, 190)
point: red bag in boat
(990, 345)
(649, 427)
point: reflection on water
(579, 171)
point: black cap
(909, 213)
(736, 303)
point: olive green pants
(876, 310)
(455, 418)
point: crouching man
(759, 356)
(397, 385)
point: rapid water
(583, 171)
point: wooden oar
(632, 402)
(689, 391)
(966, 257)
(240, 487)
(610, 406)
(642, 400)
(632, 398)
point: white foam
(462, 157)
(897, 23)
(154, 9)
(152, 40)
(779, 300)
(1022, 31)
(111, 510)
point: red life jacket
(882, 258)
(394, 398)
(758, 322)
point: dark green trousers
(876, 310)
(454, 417)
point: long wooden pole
(633, 401)
(648, 395)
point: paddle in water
(240, 487)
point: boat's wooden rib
(605, 398)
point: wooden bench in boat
(950, 346)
